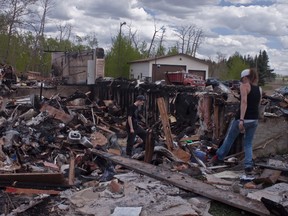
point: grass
(220, 209)
(267, 87)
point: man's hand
(131, 130)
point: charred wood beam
(149, 146)
(30, 191)
(272, 167)
(71, 177)
(45, 178)
(216, 132)
(165, 123)
(34, 185)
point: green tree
(250, 61)
(15, 12)
(3, 24)
(235, 64)
(37, 22)
(173, 50)
(262, 65)
(160, 51)
(65, 45)
(117, 58)
(143, 48)
(91, 40)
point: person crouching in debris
(132, 124)
(246, 120)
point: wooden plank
(268, 176)
(216, 133)
(283, 179)
(57, 114)
(30, 191)
(211, 179)
(51, 166)
(165, 122)
(114, 151)
(48, 178)
(271, 176)
(188, 183)
(181, 154)
(149, 147)
(71, 177)
(98, 139)
(105, 129)
(271, 167)
(178, 152)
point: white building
(155, 68)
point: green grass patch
(220, 209)
(267, 87)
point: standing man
(132, 125)
(246, 121)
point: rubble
(73, 149)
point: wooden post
(149, 147)
(178, 152)
(71, 169)
(216, 121)
(165, 122)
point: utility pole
(119, 49)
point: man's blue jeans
(233, 132)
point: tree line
(228, 69)
(24, 45)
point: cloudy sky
(245, 26)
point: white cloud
(284, 40)
(240, 1)
(228, 45)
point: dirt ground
(270, 87)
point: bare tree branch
(190, 39)
(197, 41)
(38, 23)
(132, 37)
(64, 31)
(161, 48)
(153, 39)
(15, 11)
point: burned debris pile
(72, 149)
